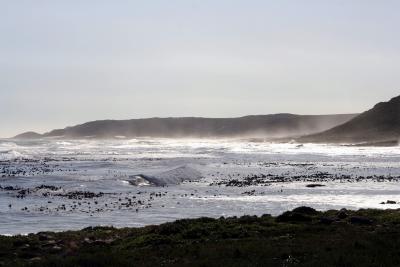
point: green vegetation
(302, 237)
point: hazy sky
(72, 61)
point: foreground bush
(301, 237)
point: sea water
(54, 185)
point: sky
(65, 62)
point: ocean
(54, 185)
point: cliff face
(277, 125)
(379, 124)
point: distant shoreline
(389, 143)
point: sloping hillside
(379, 124)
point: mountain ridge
(266, 126)
(377, 125)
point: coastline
(301, 237)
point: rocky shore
(301, 237)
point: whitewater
(56, 185)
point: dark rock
(300, 214)
(342, 214)
(314, 185)
(291, 216)
(305, 210)
(248, 219)
(44, 236)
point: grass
(302, 237)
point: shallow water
(352, 177)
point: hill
(264, 126)
(28, 135)
(381, 124)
